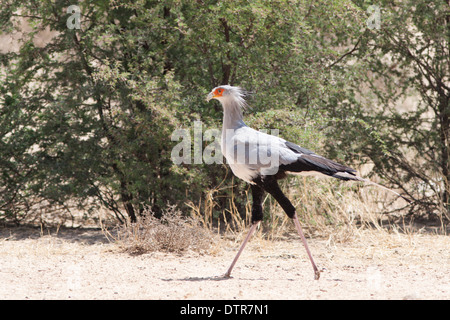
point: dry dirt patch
(82, 264)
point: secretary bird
(261, 159)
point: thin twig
(346, 54)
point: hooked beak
(210, 96)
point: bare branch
(346, 54)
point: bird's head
(219, 93)
(227, 93)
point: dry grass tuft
(171, 233)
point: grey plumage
(242, 144)
(261, 159)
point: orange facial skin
(218, 92)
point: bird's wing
(309, 161)
(258, 151)
(285, 156)
(297, 149)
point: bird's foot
(316, 275)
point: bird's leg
(271, 185)
(302, 236)
(257, 216)
(250, 233)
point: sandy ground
(82, 264)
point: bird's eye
(219, 90)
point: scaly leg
(302, 236)
(250, 233)
(270, 185)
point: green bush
(86, 117)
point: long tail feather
(349, 176)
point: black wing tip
(297, 149)
(346, 175)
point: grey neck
(232, 115)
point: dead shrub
(171, 233)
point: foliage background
(86, 117)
